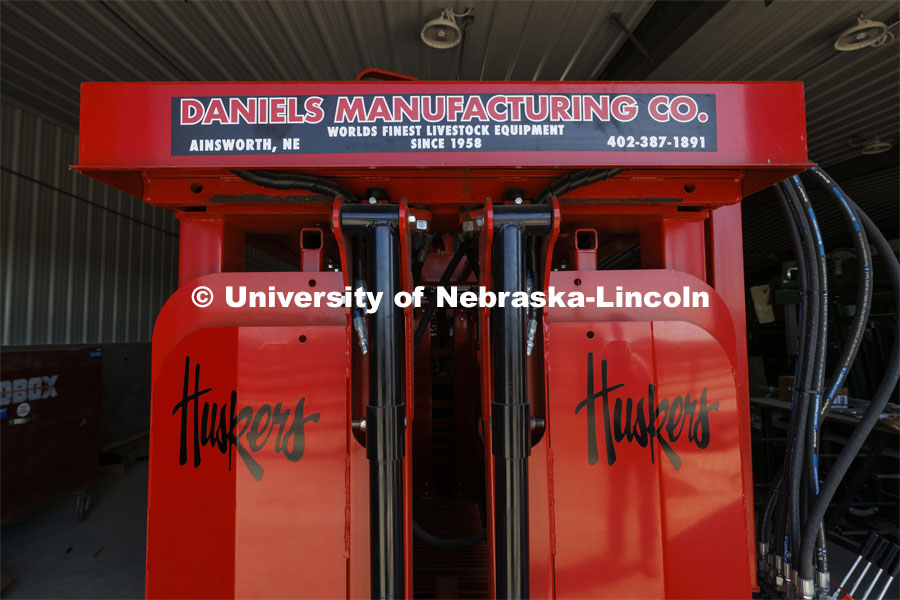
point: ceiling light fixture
(443, 33)
(864, 34)
(876, 146)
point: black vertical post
(385, 412)
(510, 417)
(384, 416)
(510, 413)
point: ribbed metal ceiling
(766, 237)
(850, 96)
(49, 48)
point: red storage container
(49, 427)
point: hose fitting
(359, 321)
(786, 590)
(532, 329)
(807, 589)
(762, 559)
(823, 582)
(359, 325)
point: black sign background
(576, 136)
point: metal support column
(511, 419)
(385, 412)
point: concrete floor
(54, 555)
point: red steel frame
(684, 209)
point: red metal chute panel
(644, 490)
(644, 433)
(249, 452)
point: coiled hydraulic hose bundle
(791, 532)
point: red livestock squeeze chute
(498, 347)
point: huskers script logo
(664, 422)
(223, 427)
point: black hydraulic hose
(445, 279)
(798, 454)
(857, 327)
(780, 536)
(799, 401)
(531, 267)
(418, 262)
(472, 256)
(796, 473)
(532, 243)
(765, 529)
(358, 270)
(449, 544)
(818, 379)
(864, 294)
(800, 369)
(573, 181)
(869, 419)
(818, 383)
(780, 542)
(291, 181)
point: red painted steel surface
(631, 522)
(485, 243)
(208, 244)
(444, 190)
(268, 515)
(760, 124)
(639, 527)
(727, 276)
(405, 270)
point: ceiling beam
(864, 165)
(665, 27)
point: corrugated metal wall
(81, 263)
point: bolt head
(518, 200)
(412, 218)
(479, 221)
(373, 200)
(422, 225)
